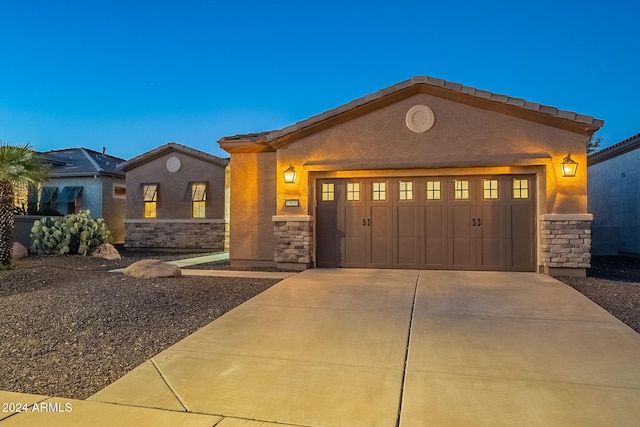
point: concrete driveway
(355, 347)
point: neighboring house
(614, 198)
(425, 174)
(176, 200)
(82, 179)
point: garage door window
(520, 188)
(328, 192)
(353, 191)
(379, 191)
(433, 190)
(490, 188)
(461, 190)
(406, 190)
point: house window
(405, 190)
(198, 199)
(353, 191)
(433, 190)
(520, 188)
(461, 190)
(21, 196)
(379, 191)
(71, 196)
(150, 197)
(48, 197)
(119, 191)
(328, 191)
(490, 188)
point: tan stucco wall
(174, 194)
(463, 136)
(252, 200)
(113, 208)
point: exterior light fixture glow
(290, 174)
(569, 166)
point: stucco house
(614, 198)
(424, 174)
(79, 179)
(176, 200)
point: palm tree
(18, 164)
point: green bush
(74, 233)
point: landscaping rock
(106, 251)
(151, 269)
(18, 251)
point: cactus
(75, 233)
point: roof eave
(245, 147)
(615, 150)
(518, 107)
(168, 148)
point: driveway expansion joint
(172, 389)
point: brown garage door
(461, 223)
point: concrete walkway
(221, 256)
(354, 347)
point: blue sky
(131, 76)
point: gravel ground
(69, 327)
(614, 284)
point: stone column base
(294, 241)
(565, 244)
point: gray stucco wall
(614, 200)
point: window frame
(432, 192)
(150, 210)
(198, 204)
(405, 191)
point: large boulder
(18, 251)
(151, 269)
(106, 251)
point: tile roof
(255, 136)
(172, 147)
(81, 162)
(441, 87)
(615, 150)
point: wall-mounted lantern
(569, 166)
(290, 174)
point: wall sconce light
(290, 174)
(569, 166)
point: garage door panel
(490, 225)
(435, 231)
(381, 242)
(522, 234)
(407, 237)
(462, 237)
(328, 238)
(354, 237)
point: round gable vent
(420, 118)
(173, 164)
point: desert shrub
(71, 234)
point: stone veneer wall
(566, 241)
(210, 235)
(293, 241)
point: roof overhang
(622, 147)
(518, 107)
(171, 147)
